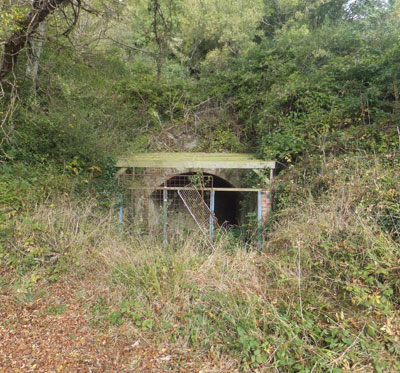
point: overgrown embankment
(312, 84)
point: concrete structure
(151, 174)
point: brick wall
(266, 205)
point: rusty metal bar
(205, 189)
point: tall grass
(322, 295)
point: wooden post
(271, 175)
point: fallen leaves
(53, 334)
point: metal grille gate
(199, 210)
(193, 192)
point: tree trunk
(34, 54)
(17, 41)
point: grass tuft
(322, 295)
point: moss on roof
(194, 160)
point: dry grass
(328, 273)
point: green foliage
(11, 17)
(316, 90)
(312, 84)
(155, 102)
(285, 79)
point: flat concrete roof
(194, 160)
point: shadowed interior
(227, 204)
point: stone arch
(233, 177)
(228, 204)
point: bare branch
(129, 46)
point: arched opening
(227, 203)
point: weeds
(321, 296)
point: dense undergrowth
(311, 84)
(322, 295)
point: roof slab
(194, 161)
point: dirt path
(53, 334)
